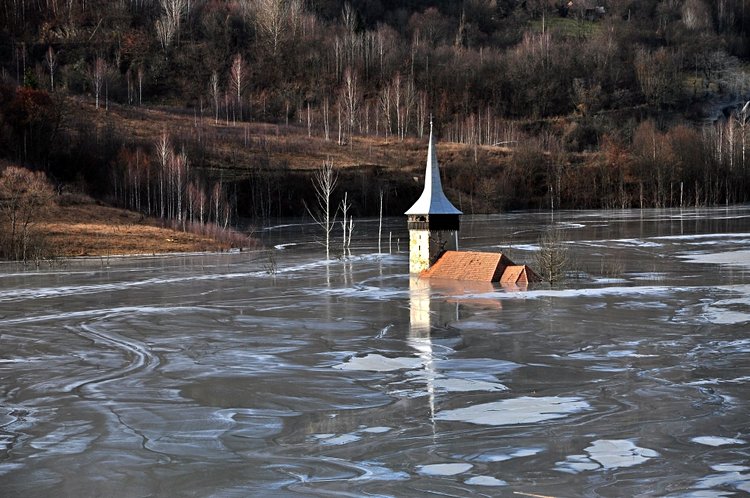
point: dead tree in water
(552, 259)
(347, 229)
(324, 181)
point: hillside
(221, 110)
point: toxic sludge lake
(249, 375)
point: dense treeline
(601, 103)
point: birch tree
(215, 92)
(277, 21)
(50, 60)
(396, 92)
(169, 24)
(324, 182)
(350, 97)
(97, 74)
(164, 156)
(141, 75)
(345, 207)
(385, 105)
(741, 117)
(237, 80)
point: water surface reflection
(210, 375)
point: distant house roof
(480, 266)
(432, 200)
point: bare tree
(168, 25)
(164, 32)
(164, 156)
(179, 166)
(742, 117)
(24, 196)
(215, 92)
(97, 73)
(396, 92)
(658, 74)
(552, 257)
(345, 207)
(141, 75)
(276, 20)
(237, 80)
(326, 116)
(324, 182)
(50, 59)
(380, 221)
(385, 105)
(350, 97)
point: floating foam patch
(485, 481)
(605, 454)
(717, 441)
(444, 469)
(502, 457)
(730, 476)
(614, 453)
(378, 363)
(466, 385)
(523, 410)
(340, 440)
(728, 258)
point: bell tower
(433, 221)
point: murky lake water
(206, 375)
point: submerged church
(434, 224)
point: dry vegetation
(96, 230)
(235, 146)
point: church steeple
(433, 220)
(433, 199)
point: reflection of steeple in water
(430, 318)
(420, 320)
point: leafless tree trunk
(380, 221)
(237, 80)
(164, 32)
(396, 91)
(338, 108)
(164, 156)
(169, 24)
(141, 76)
(309, 122)
(215, 91)
(98, 75)
(409, 103)
(179, 168)
(345, 206)
(351, 100)
(742, 117)
(385, 105)
(324, 182)
(422, 113)
(326, 114)
(50, 60)
(276, 20)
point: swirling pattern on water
(210, 375)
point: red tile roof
(519, 274)
(479, 266)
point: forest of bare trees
(588, 103)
